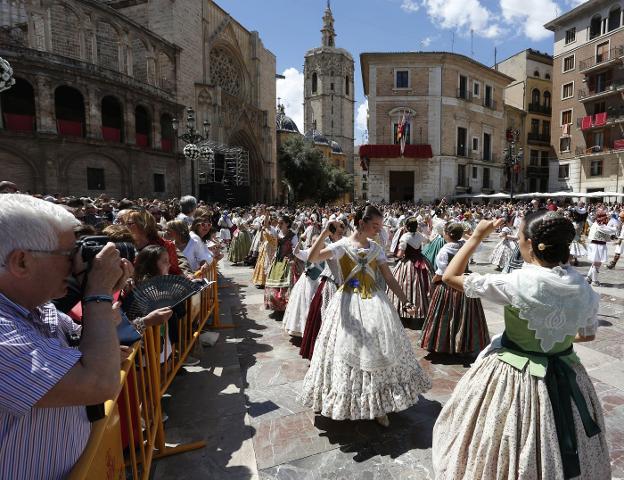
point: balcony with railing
(601, 91)
(589, 122)
(489, 103)
(538, 108)
(611, 146)
(539, 138)
(602, 60)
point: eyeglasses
(61, 253)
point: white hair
(27, 223)
(188, 203)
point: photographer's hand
(108, 272)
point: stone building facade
(588, 102)
(329, 97)
(531, 91)
(103, 80)
(455, 131)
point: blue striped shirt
(36, 443)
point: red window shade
(166, 144)
(142, 140)
(111, 134)
(69, 128)
(16, 122)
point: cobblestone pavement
(241, 399)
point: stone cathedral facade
(329, 92)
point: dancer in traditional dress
(412, 272)
(241, 242)
(363, 365)
(504, 249)
(256, 230)
(455, 324)
(436, 242)
(599, 234)
(283, 272)
(577, 248)
(266, 252)
(511, 415)
(330, 280)
(225, 227)
(618, 246)
(301, 296)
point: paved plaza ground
(241, 399)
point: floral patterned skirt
(341, 387)
(415, 280)
(499, 424)
(299, 305)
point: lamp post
(513, 156)
(192, 137)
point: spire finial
(328, 27)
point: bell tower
(328, 90)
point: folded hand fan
(162, 291)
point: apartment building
(453, 111)
(531, 92)
(588, 107)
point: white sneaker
(190, 361)
(208, 339)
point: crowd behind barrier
(134, 417)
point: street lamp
(513, 156)
(191, 150)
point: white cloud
(463, 15)
(530, 16)
(361, 118)
(290, 92)
(575, 3)
(425, 42)
(409, 6)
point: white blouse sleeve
(381, 258)
(403, 241)
(337, 250)
(303, 255)
(441, 262)
(494, 287)
(294, 241)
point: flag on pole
(402, 130)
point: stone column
(129, 125)
(44, 107)
(94, 114)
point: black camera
(90, 246)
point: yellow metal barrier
(133, 421)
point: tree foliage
(311, 175)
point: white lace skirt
(499, 424)
(502, 253)
(298, 305)
(577, 249)
(341, 386)
(597, 252)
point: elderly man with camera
(45, 382)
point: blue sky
(291, 27)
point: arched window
(166, 132)
(107, 41)
(347, 85)
(535, 97)
(547, 99)
(614, 18)
(18, 107)
(143, 126)
(70, 112)
(547, 76)
(594, 26)
(314, 82)
(536, 73)
(112, 120)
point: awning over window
(394, 151)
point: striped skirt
(454, 323)
(415, 280)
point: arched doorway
(18, 171)
(18, 107)
(112, 120)
(70, 111)
(259, 180)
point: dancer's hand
(486, 227)
(409, 308)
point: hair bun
(541, 247)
